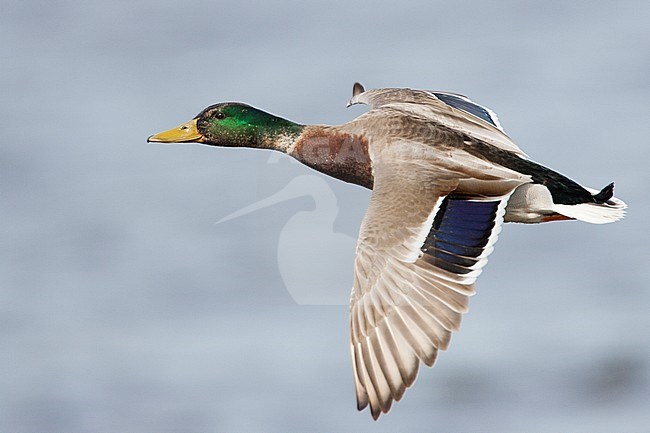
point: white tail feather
(595, 213)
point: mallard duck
(444, 177)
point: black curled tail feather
(605, 194)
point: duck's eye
(220, 116)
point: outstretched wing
(452, 110)
(420, 249)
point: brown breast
(340, 155)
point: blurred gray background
(125, 307)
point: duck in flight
(444, 177)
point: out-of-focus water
(124, 307)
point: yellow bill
(187, 132)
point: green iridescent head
(232, 124)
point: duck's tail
(535, 203)
(605, 208)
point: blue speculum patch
(460, 231)
(466, 106)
